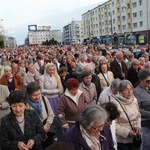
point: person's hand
(30, 144)
(131, 133)
(66, 128)
(138, 130)
(123, 75)
(22, 146)
(47, 127)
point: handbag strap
(125, 114)
(105, 79)
(43, 98)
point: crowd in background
(67, 86)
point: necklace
(20, 121)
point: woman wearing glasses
(86, 134)
(128, 106)
(142, 93)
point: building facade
(42, 34)
(73, 33)
(126, 21)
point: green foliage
(50, 42)
(1, 41)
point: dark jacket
(116, 69)
(11, 134)
(133, 76)
(74, 138)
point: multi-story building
(42, 34)
(10, 42)
(129, 20)
(73, 33)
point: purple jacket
(74, 138)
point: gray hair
(91, 115)
(7, 68)
(32, 87)
(135, 61)
(144, 73)
(88, 67)
(118, 53)
(86, 73)
(83, 56)
(124, 84)
(115, 83)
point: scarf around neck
(37, 106)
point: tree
(50, 42)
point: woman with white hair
(86, 134)
(51, 86)
(14, 82)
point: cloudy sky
(16, 15)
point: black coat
(11, 134)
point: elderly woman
(42, 106)
(4, 106)
(127, 104)
(14, 82)
(142, 62)
(80, 65)
(105, 76)
(29, 76)
(86, 134)
(21, 129)
(142, 93)
(51, 86)
(88, 87)
(71, 104)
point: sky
(16, 15)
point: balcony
(128, 11)
(118, 14)
(106, 18)
(129, 20)
(119, 23)
(128, 1)
(129, 30)
(119, 31)
(118, 5)
(105, 10)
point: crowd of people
(78, 96)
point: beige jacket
(110, 78)
(49, 116)
(4, 93)
(122, 124)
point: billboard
(32, 27)
(44, 27)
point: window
(113, 20)
(128, 5)
(135, 25)
(134, 15)
(141, 13)
(114, 29)
(113, 12)
(134, 4)
(129, 16)
(140, 2)
(123, 18)
(141, 23)
(123, 9)
(112, 4)
(118, 27)
(129, 25)
(124, 27)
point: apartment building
(73, 33)
(127, 19)
(40, 35)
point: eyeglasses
(95, 128)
